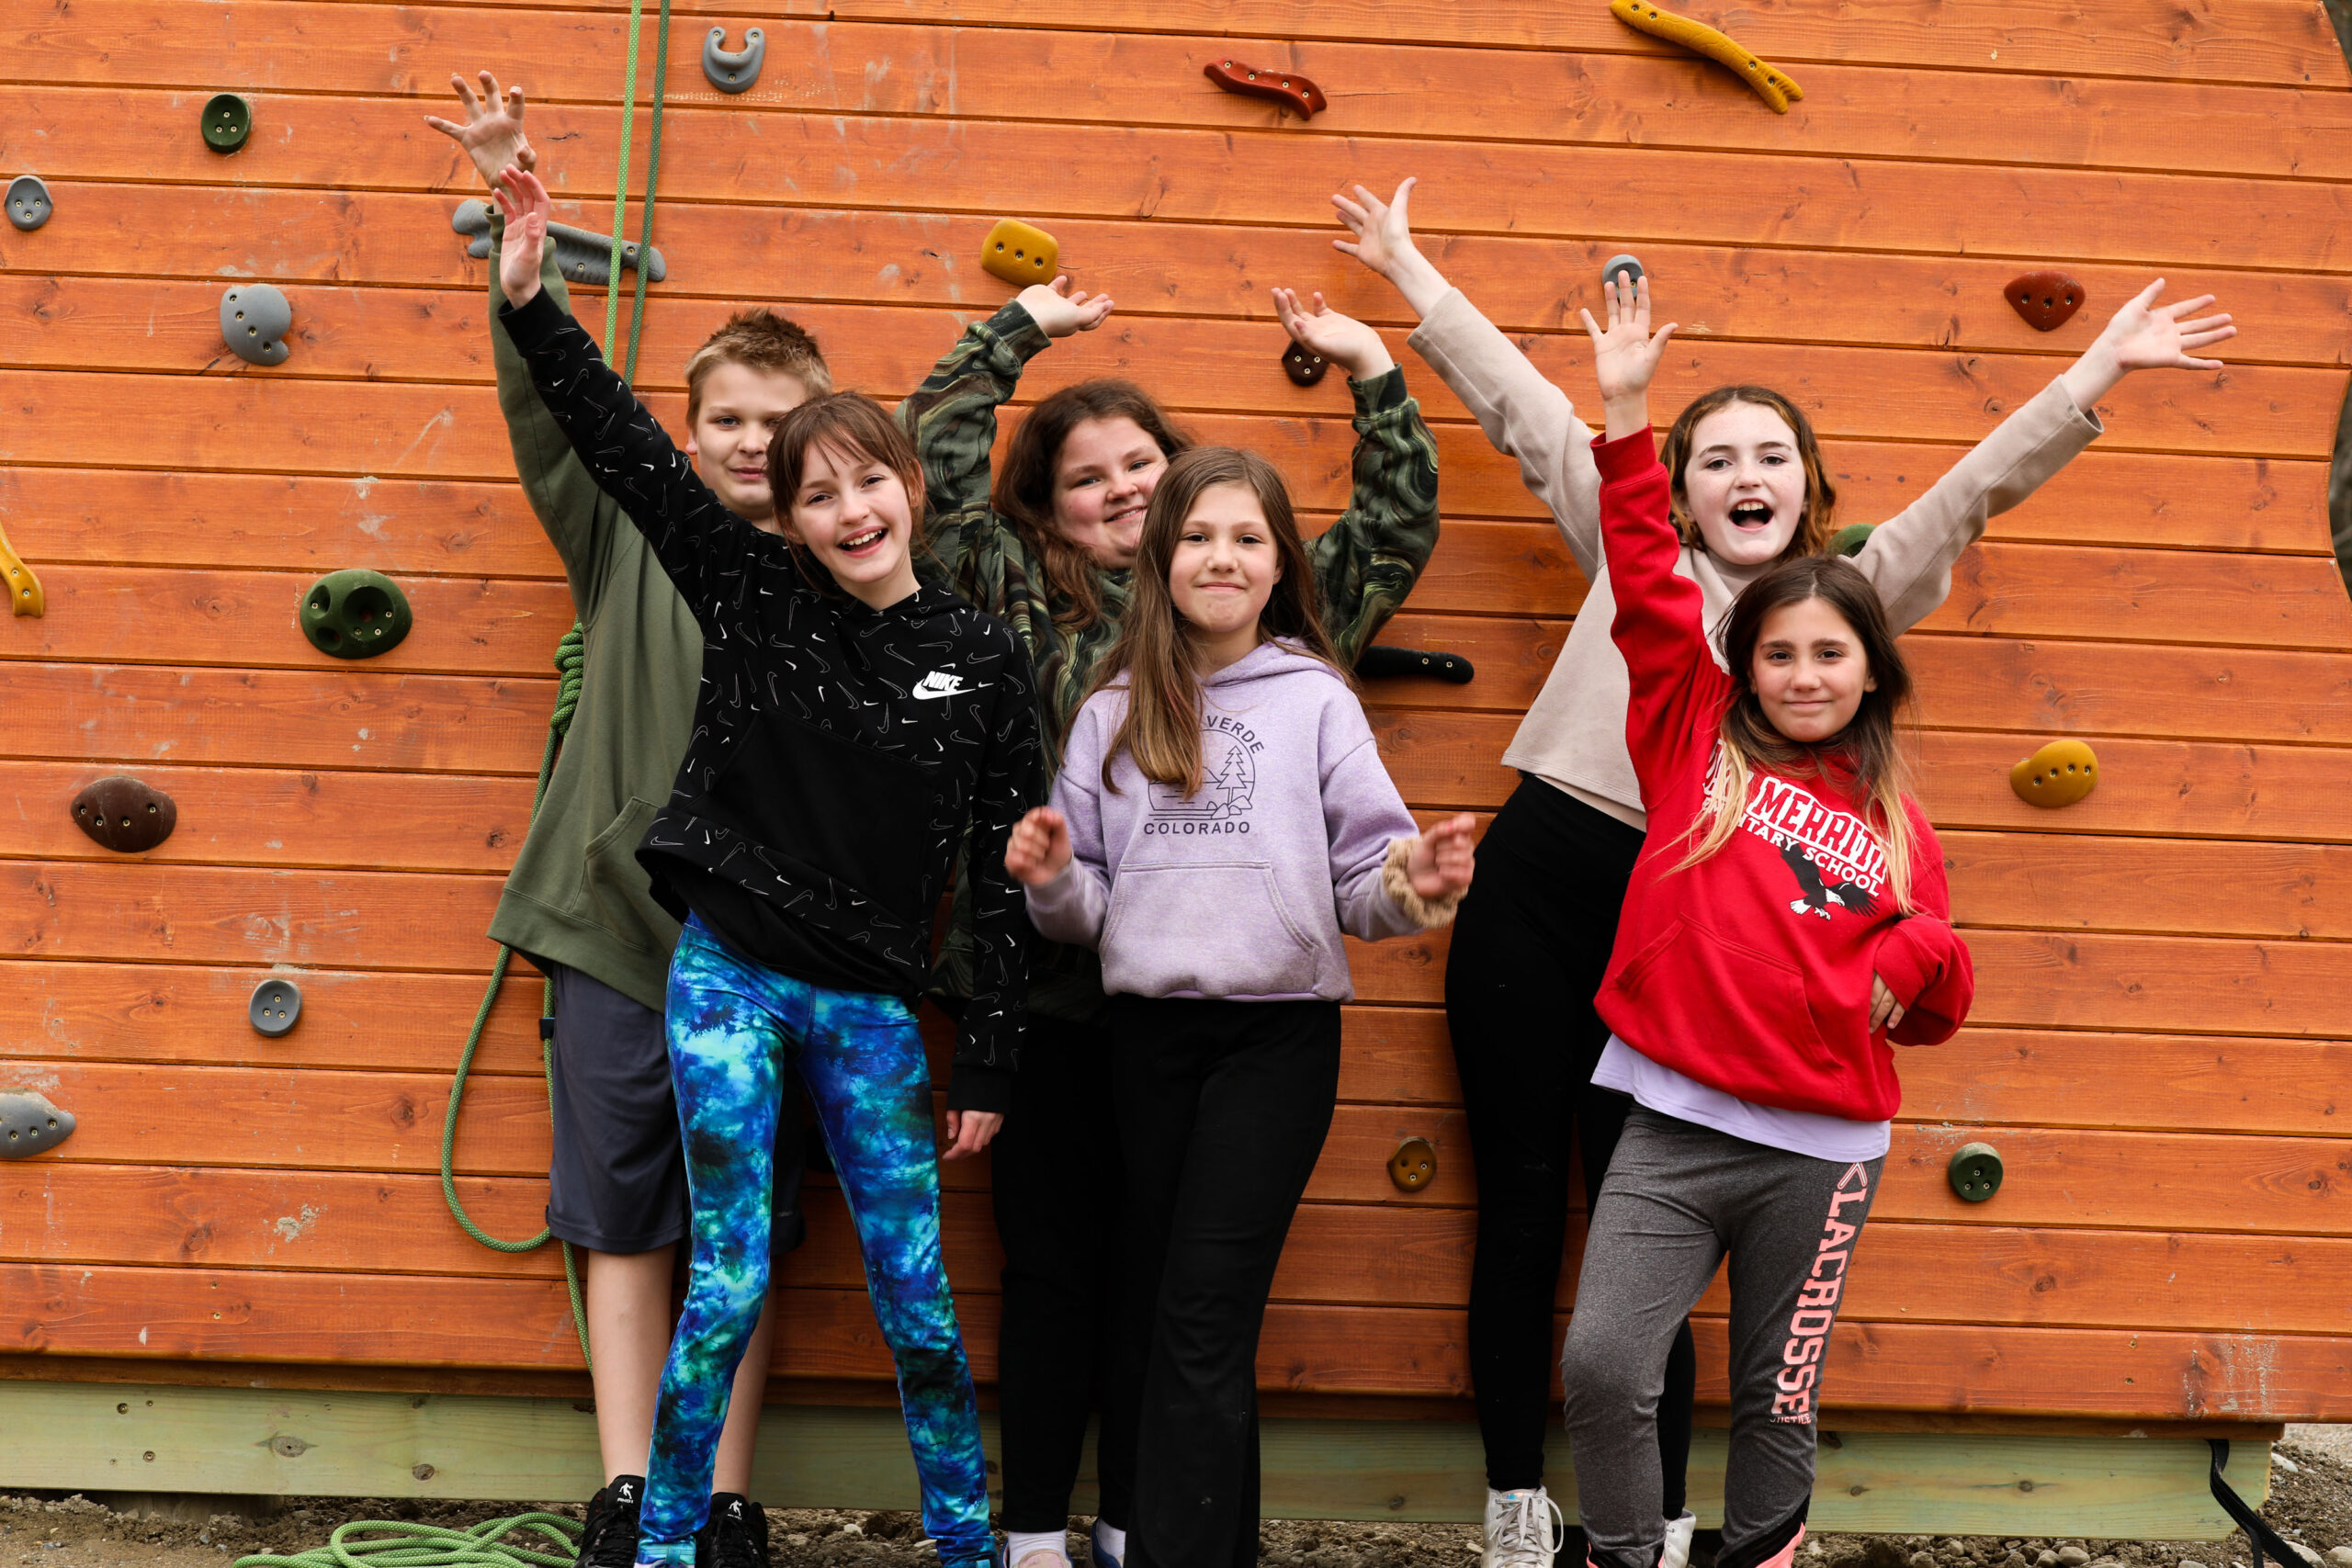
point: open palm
(1625, 355)
(493, 134)
(2145, 335)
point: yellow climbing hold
(2059, 774)
(1772, 85)
(24, 588)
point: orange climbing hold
(1774, 86)
(2059, 774)
(25, 596)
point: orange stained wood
(2155, 1046)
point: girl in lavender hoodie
(1221, 818)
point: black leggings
(1059, 1197)
(1530, 947)
(1223, 1107)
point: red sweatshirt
(1751, 971)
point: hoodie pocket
(1691, 982)
(1214, 929)
(614, 884)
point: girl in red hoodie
(1787, 920)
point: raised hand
(1061, 313)
(2145, 335)
(1344, 341)
(524, 201)
(493, 134)
(1038, 850)
(1441, 859)
(1384, 243)
(1625, 355)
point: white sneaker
(1525, 1529)
(1678, 1541)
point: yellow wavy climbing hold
(24, 588)
(1772, 85)
(2059, 774)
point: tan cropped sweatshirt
(1574, 737)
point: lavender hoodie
(1240, 891)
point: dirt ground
(2311, 1505)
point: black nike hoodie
(839, 752)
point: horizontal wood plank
(236, 1314)
(1154, 78)
(1246, 176)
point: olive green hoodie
(577, 894)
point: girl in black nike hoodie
(852, 725)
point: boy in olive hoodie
(577, 904)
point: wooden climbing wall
(2162, 968)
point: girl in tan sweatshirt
(1749, 488)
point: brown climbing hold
(123, 814)
(2059, 774)
(1303, 365)
(25, 596)
(1288, 88)
(1413, 1165)
(2047, 301)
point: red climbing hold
(1288, 88)
(2047, 301)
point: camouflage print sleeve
(951, 418)
(1367, 561)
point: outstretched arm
(700, 544)
(1368, 561)
(2145, 335)
(951, 417)
(1525, 417)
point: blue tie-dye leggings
(732, 1025)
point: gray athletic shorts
(618, 1180)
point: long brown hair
(1819, 519)
(851, 423)
(1024, 484)
(1161, 728)
(1869, 751)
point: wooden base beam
(125, 1437)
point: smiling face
(1223, 570)
(1744, 483)
(1809, 670)
(1103, 477)
(728, 439)
(851, 511)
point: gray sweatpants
(1678, 1198)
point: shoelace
(1534, 1524)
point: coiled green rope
(571, 657)
(395, 1543)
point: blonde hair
(758, 339)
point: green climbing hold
(356, 613)
(1849, 540)
(228, 120)
(1975, 1172)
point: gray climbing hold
(28, 202)
(1632, 265)
(733, 71)
(254, 319)
(30, 1125)
(276, 1006)
(581, 257)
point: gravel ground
(2310, 1504)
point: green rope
(395, 1543)
(571, 657)
(620, 179)
(653, 175)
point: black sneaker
(609, 1539)
(737, 1535)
